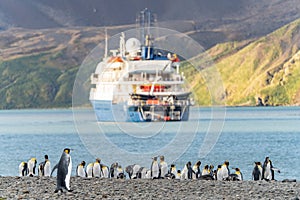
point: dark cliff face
(55, 13)
(64, 13)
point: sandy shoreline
(84, 188)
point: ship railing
(159, 102)
(178, 79)
(170, 90)
(105, 77)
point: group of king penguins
(265, 171)
(29, 168)
(64, 168)
(99, 170)
(157, 170)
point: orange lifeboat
(157, 88)
(115, 59)
(152, 102)
(146, 88)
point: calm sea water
(240, 135)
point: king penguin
(64, 168)
(135, 169)
(141, 174)
(23, 169)
(120, 172)
(172, 172)
(80, 171)
(163, 167)
(154, 168)
(184, 172)
(191, 172)
(218, 173)
(132, 171)
(239, 174)
(211, 168)
(113, 170)
(178, 174)
(257, 172)
(104, 171)
(236, 176)
(31, 166)
(45, 167)
(89, 170)
(206, 170)
(225, 170)
(196, 169)
(97, 168)
(268, 170)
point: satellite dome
(132, 44)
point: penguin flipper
(54, 168)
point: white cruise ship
(139, 83)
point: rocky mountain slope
(42, 44)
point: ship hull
(105, 111)
(158, 113)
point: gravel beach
(95, 188)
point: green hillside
(267, 68)
(29, 82)
(38, 68)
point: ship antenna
(106, 44)
(145, 19)
(122, 45)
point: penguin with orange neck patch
(64, 168)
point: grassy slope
(29, 82)
(267, 68)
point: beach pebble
(93, 188)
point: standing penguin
(141, 174)
(89, 170)
(104, 171)
(257, 172)
(184, 172)
(178, 174)
(97, 168)
(31, 166)
(23, 169)
(163, 167)
(211, 168)
(64, 168)
(113, 170)
(80, 171)
(132, 171)
(45, 167)
(191, 172)
(218, 173)
(196, 169)
(268, 170)
(154, 168)
(225, 170)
